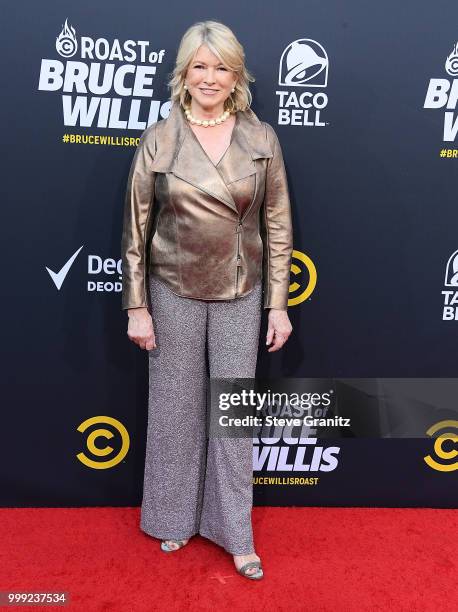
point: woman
(207, 217)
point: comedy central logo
(303, 64)
(103, 83)
(66, 43)
(106, 456)
(304, 278)
(445, 456)
(450, 296)
(443, 93)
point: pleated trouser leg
(193, 484)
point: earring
(233, 89)
(185, 87)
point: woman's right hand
(140, 328)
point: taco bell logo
(450, 308)
(304, 64)
(443, 93)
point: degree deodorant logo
(444, 456)
(304, 277)
(104, 273)
(99, 454)
(443, 94)
(304, 67)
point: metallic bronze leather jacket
(182, 225)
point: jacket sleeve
(277, 229)
(137, 223)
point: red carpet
(336, 559)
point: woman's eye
(220, 68)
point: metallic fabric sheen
(182, 221)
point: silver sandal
(165, 547)
(257, 575)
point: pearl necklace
(206, 122)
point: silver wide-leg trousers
(194, 484)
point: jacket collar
(177, 145)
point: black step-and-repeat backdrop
(363, 98)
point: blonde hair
(223, 43)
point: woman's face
(209, 81)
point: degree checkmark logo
(59, 277)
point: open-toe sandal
(165, 547)
(257, 575)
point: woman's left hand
(278, 330)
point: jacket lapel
(193, 165)
(180, 152)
